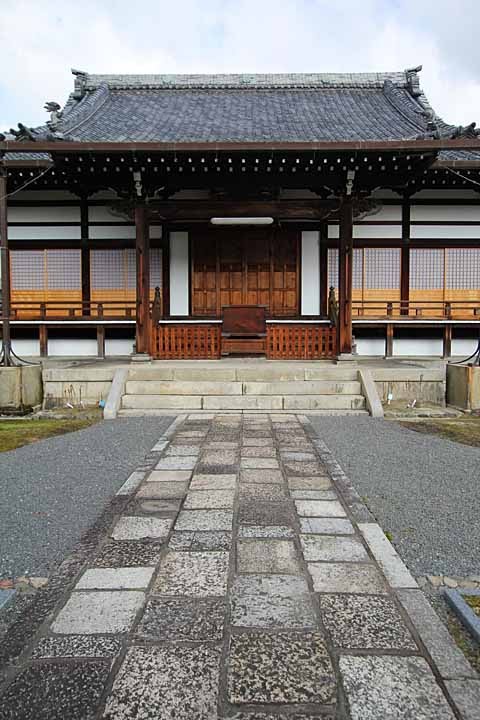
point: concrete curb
(471, 621)
(369, 389)
(114, 399)
(385, 554)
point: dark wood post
(43, 340)
(345, 263)
(85, 261)
(405, 259)
(447, 341)
(142, 245)
(324, 289)
(101, 341)
(5, 270)
(389, 340)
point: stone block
(267, 556)
(162, 490)
(193, 574)
(213, 482)
(190, 540)
(327, 548)
(346, 578)
(198, 520)
(384, 553)
(183, 618)
(138, 528)
(242, 402)
(209, 499)
(131, 578)
(90, 613)
(320, 508)
(169, 476)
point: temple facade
(300, 216)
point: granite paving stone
(271, 585)
(266, 513)
(213, 482)
(177, 463)
(129, 578)
(98, 612)
(365, 623)
(326, 526)
(255, 491)
(221, 445)
(320, 508)
(219, 457)
(137, 528)
(268, 716)
(129, 554)
(272, 611)
(191, 540)
(327, 548)
(285, 667)
(466, 696)
(346, 577)
(171, 506)
(313, 494)
(298, 456)
(165, 682)
(194, 574)
(268, 476)
(213, 499)
(162, 490)
(258, 463)
(176, 450)
(204, 520)
(267, 556)
(322, 482)
(294, 467)
(397, 688)
(77, 646)
(169, 476)
(265, 531)
(256, 440)
(183, 618)
(55, 691)
(259, 451)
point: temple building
(292, 216)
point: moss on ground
(474, 602)
(464, 641)
(464, 429)
(15, 433)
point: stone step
(159, 412)
(243, 402)
(285, 387)
(262, 372)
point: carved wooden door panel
(204, 275)
(285, 272)
(257, 254)
(230, 279)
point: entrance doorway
(245, 267)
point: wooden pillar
(447, 341)
(101, 341)
(345, 264)
(324, 270)
(142, 245)
(85, 261)
(5, 269)
(389, 340)
(165, 271)
(405, 259)
(43, 340)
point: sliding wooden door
(245, 267)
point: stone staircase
(326, 390)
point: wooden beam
(405, 258)
(142, 245)
(345, 265)
(85, 255)
(77, 148)
(184, 210)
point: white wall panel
(333, 231)
(26, 347)
(421, 346)
(386, 213)
(103, 213)
(377, 231)
(119, 346)
(445, 213)
(310, 272)
(44, 232)
(434, 232)
(179, 280)
(114, 232)
(155, 231)
(72, 347)
(370, 345)
(43, 214)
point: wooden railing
(186, 341)
(71, 310)
(417, 309)
(297, 341)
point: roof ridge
(85, 82)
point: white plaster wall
(72, 347)
(310, 272)
(43, 214)
(111, 231)
(445, 231)
(119, 346)
(463, 347)
(418, 346)
(103, 213)
(385, 213)
(370, 346)
(445, 213)
(369, 231)
(44, 232)
(26, 347)
(179, 280)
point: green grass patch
(474, 602)
(15, 433)
(464, 429)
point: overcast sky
(40, 40)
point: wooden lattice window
(463, 269)
(427, 268)
(382, 268)
(115, 269)
(46, 269)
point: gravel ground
(423, 489)
(52, 491)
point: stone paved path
(243, 579)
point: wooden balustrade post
(142, 245)
(345, 264)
